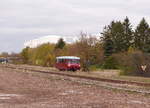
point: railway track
(93, 79)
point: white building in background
(53, 39)
(48, 39)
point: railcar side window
(61, 60)
(73, 61)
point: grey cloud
(22, 20)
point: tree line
(119, 47)
(88, 48)
(120, 36)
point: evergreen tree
(142, 36)
(147, 44)
(108, 46)
(113, 38)
(128, 33)
(107, 42)
(117, 33)
(60, 44)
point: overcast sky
(22, 20)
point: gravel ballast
(33, 90)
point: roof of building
(49, 39)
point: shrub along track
(110, 83)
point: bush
(94, 67)
(49, 60)
(131, 63)
(110, 63)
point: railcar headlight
(69, 65)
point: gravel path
(29, 90)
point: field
(21, 89)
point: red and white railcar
(70, 63)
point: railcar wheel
(60, 69)
(73, 69)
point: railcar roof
(67, 57)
